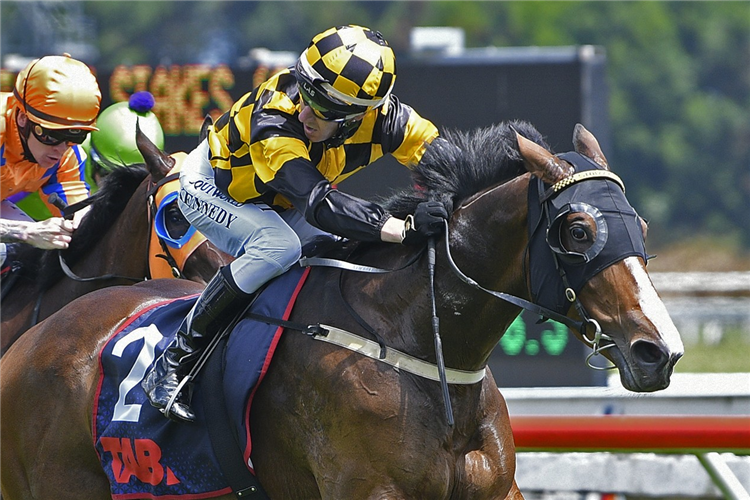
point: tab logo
(139, 458)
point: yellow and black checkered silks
(259, 151)
(356, 65)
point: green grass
(730, 355)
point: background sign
(533, 354)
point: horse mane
(461, 164)
(109, 202)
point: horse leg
(488, 465)
(514, 493)
(47, 384)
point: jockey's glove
(427, 221)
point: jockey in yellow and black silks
(262, 185)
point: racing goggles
(326, 114)
(160, 224)
(53, 137)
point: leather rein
(68, 211)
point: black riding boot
(215, 309)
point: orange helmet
(59, 92)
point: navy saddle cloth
(144, 454)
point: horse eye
(174, 213)
(578, 233)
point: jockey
(49, 114)
(261, 186)
(113, 145)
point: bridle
(560, 259)
(168, 253)
(154, 197)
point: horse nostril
(649, 353)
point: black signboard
(534, 354)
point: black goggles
(53, 137)
(324, 113)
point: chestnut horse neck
(487, 242)
(482, 180)
(127, 237)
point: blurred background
(665, 87)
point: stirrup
(167, 410)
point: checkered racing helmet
(345, 72)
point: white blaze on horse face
(653, 307)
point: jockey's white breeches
(266, 243)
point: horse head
(176, 249)
(596, 243)
(556, 230)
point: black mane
(109, 202)
(463, 164)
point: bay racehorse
(116, 244)
(526, 228)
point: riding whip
(436, 330)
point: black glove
(427, 221)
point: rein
(579, 326)
(68, 211)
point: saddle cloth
(147, 456)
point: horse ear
(157, 161)
(207, 122)
(541, 162)
(586, 144)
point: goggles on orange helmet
(53, 137)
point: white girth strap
(397, 359)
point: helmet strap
(24, 133)
(346, 130)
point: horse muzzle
(647, 366)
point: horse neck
(488, 237)
(487, 241)
(122, 250)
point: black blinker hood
(625, 234)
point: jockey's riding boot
(215, 309)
